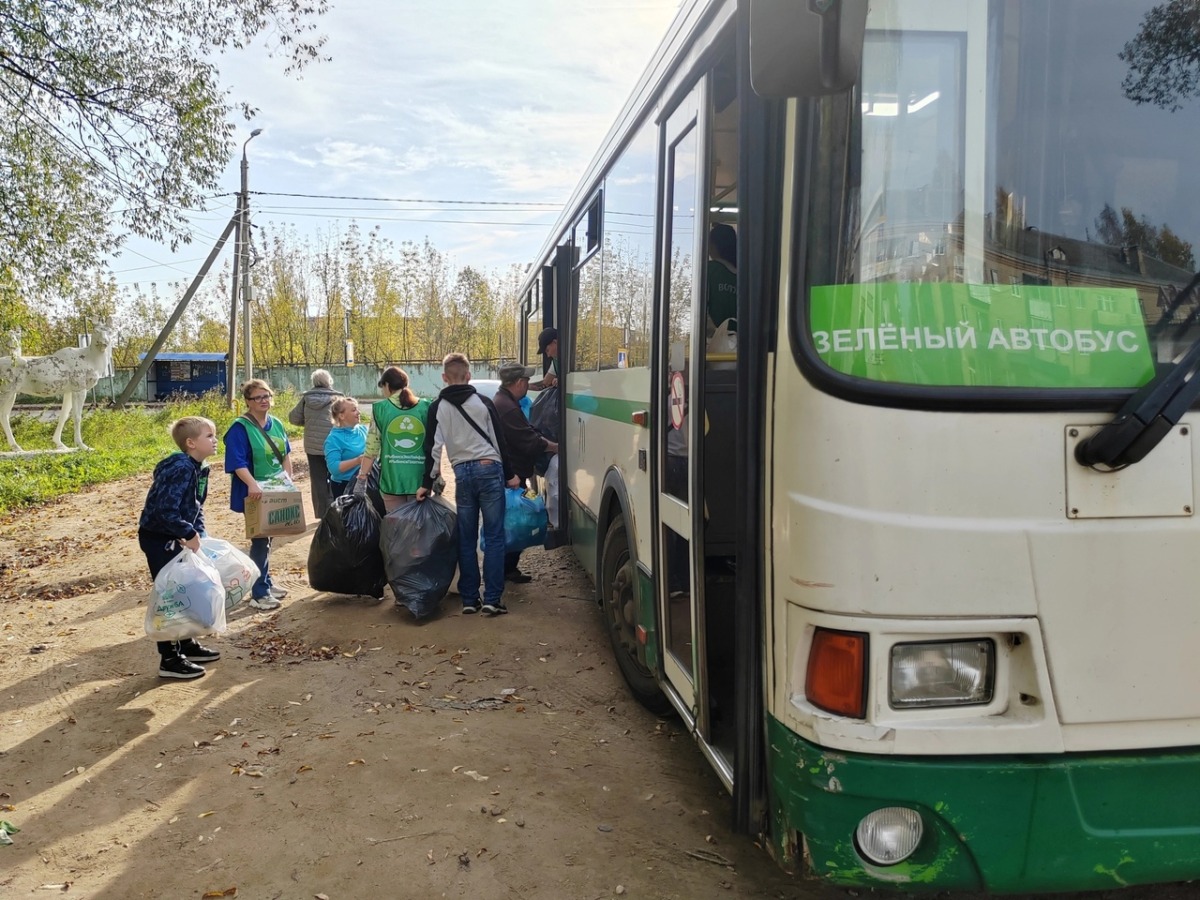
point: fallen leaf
(304, 769)
(205, 815)
(357, 762)
(228, 892)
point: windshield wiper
(1146, 418)
(1164, 321)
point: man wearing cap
(548, 346)
(524, 445)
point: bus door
(559, 288)
(680, 346)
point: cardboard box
(277, 512)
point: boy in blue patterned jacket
(173, 518)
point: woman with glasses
(256, 447)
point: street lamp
(244, 254)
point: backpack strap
(475, 425)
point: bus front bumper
(1004, 824)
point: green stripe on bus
(648, 617)
(606, 407)
(1077, 821)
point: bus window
(998, 159)
(628, 250)
(679, 316)
(588, 298)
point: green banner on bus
(983, 334)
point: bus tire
(618, 601)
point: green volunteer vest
(401, 445)
(266, 463)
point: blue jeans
(260, 553)
(479, 488)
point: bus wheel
(618, 595)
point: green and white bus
(903, 525)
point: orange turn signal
(837, 672)
(641, 417)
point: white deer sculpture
(69, 372)
(10, 365)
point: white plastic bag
(723, 340)
(188, 600)
(552, 491)
(237, 570)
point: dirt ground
(339, 749)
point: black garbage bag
(344, 556)
(373, 490)
(543, 415)
(420, 553)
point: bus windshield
(1008, 198)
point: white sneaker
(277, 592)
(264, 603)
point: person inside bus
(548, 346)
(722, 277)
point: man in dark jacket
(525, 446)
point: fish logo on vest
(406, 433)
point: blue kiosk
(184, 373)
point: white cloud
(473, 100)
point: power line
(261, 211)
(411, 200)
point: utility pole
(231, 356)
(244, 253)
(152, 353)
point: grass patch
(124, 442)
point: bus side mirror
(805, 48)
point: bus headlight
(942, 673)
(888, 836)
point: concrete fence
(356, 381)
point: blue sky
(482, 101)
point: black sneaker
(516, 576)
(495, 609)
(179, 667)
(197, 653)
(469, 609)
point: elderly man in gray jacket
(312, 412)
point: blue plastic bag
(524, 521)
